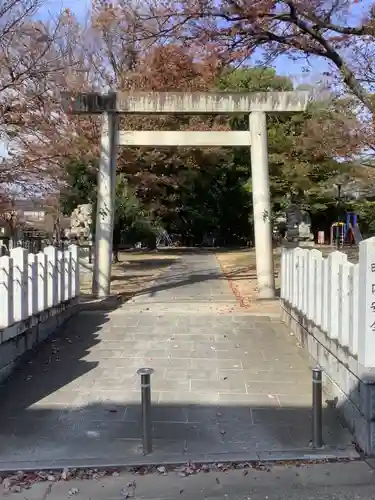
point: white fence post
(42, 274)
(335, 259)
(325, 296)
(33, 283)
(6, 292)
(67, 274)
(20, 283)
(297, 277)
(293, 277)
(355, 307)
(73, 249)
(346, 289)
(290, 276)
(318, 271)
(312, 281)
(305, 282)
(52, 280)
(60, 276)
(283, 274)
(336, 295)
(366, 303)
(284, 277)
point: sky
(79, 7)
(283, 65)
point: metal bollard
(317, 413)
(145, 374)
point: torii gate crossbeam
(256, 105)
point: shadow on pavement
(182, 279)
(176, 275)
(63, 407)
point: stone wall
(347, 384)
(20, 339)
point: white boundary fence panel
(335, 295)
(32, 283)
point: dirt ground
(240, 269)
(135, 272)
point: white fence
(31, 283)
(335, 295)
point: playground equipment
(347, 232)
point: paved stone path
(229, 385)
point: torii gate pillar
(105, 211)
(262, 205)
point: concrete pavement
(332, 481)
(227, 385)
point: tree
(154, 173)
(216, 197)
(303, 148)
(33, 62)
(336, 31)
(80, 185)
(190, 190)
(131, 219)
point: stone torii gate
(256, 105)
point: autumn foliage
(160, 46)
(340, 32)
